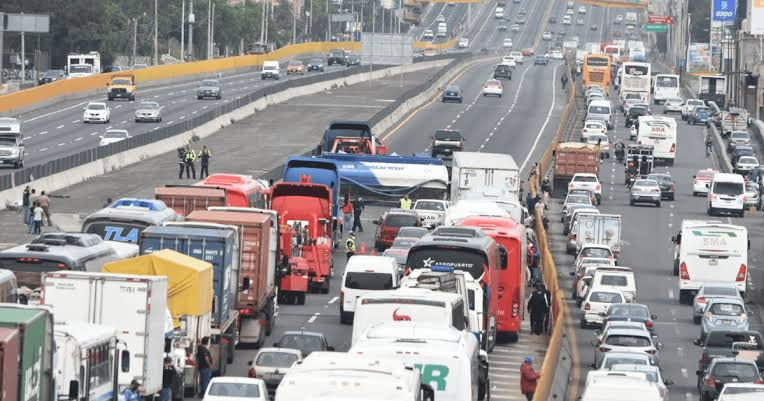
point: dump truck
(571, 158)
(26, 353)
(258, 239)
(184, 199)
(135, 306)
(121, 86)
(189, 300)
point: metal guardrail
(25, 175)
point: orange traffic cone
(362, 248)
(372, 253)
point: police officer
(405, 202)
(205, 155)
(181, 161)
(350, 246)
(189, 158)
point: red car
(390, 223)
(527, 52)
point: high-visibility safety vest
(190, 156)
(350, 245)
(405, 203)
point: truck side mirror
(74, 390)
(503, 257)
(125, 361)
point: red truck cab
(390, 223)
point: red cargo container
(186, 199)
(257, 267)
(572, 158)
(9, 363)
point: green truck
(26, 353)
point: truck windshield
(667, 82)
(81, 69)
(368, 281)
(429, 205)
(400, 220)
(5, 141)
(123, 81)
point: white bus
(661, 133)
(635, 78)
(711, 252)
(665, 86)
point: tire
(676, 267)
(658, 204)
(671, 197)
(694, 193)
(300, 299)
(696, 319)
(346, 317)
(583, 324)
(270, 310)
(631, 203)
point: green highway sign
(655, 28)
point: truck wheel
(676, 267)
(300, 299)
(270, 316)
(325, 287)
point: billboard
(698, 57)
(723, 10)
(757, 17)
(387, 48)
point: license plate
(726, 322)
(273, 376)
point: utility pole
(310, 20)
(328, 23)
(182, 27)
(1, 48)
(156, 33)
(262, 23)
(294, 21)
(191, 20)
(135, 39)
(212, 32)
(209, 30)
(23, 60)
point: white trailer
(83, 65)
(475, 170)
(602, 229)
(94, 346)
(135, 306)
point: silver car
(574, 200)
(752, 196)
(645, 191)
(209, 88)
(613, 358)
(626, 340)
(148, 111)
(709, 291)
(271, 364)
(723, 313)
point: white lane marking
(43, 149)
(78, 139)
(62, 144)
(117, 106)
(314, 317)
(43, 133)
(123, 122)
(548, 117)
(684, 373)
(671, 293)
(60, 126)
(182, 117)
(75, 121)
(94, 133)
(333, 300)
(55, 112)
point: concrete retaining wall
(124, 159)
(562, 375)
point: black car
(51, 76)
(667, 184)
(722, 371)
(336, 56)
(352, 60)
(630, 313)
(113, 68)
(452, 94)
(315, 64)
(305, 341)
(502, 72)
(446, 142)
(635, 112)
(726, 343)
(740, 151)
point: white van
(271, 70)
(601, 110)
(621, 386)
(408, 304)
(726, 194)
(364, 274)
(448, 359)
(442, 30)
(499, 13)
(711, 252)
(617, 278)
(660, 132)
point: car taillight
(704, 359)
(741, 273)
(683, 274)
(515, 310)
(570, 185)
(587, 306)
(252, 374)
(701, 300)
(649, 324)
(342, 297)
(673, 148)
(759, 381)
(597, 187)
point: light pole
(156, 33)
(182, 27)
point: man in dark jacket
(537, 308)
(204, 365)
(357, 210)
(168, 379)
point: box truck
(83, 344)
(134, 305)
(473, 170)
(26, 353)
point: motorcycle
(630, 178)
(619, 155)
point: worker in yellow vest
(405, 202)
(350, 246)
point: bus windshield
(667, 82)
(639, 70)
(471, 261)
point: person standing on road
(30, 214)
(181, 161)
(405, 202)
(168, 379)
(350, 246)
(37, 215)
(709, 143)
(528, 378)
(204, 365)
(537, 309)
(44, 202)
(564, 81)
(25, 205)
(347, 214)
(548, 299)
(357, 210)
(190, 158)
(205, 155)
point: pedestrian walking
(528, 378)
(37, 216)
(548, 299)
(347, 214)
(350, 246)
(358, 207)
(181, 161)
(44, 202)
(564, 81)
(132, 392)
(168, 380)
(25, 204)
(532, 262)
(204, 365)
(205, 155)
(32, 199)
(190, 158)
(405, 202)
(537, 309)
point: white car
(507, 42)
(112, 136)
(431, 211)
(518, 56)
(493, 87)
(441, 18)
(745, 164)
(148, 111)
(673, 105)
(464, 43)
(547, 36)
(515, 28)
(741, 392)
(689, 105)
(701, 181)
(271, 364)
(592, 250)
(428, 35)
(566, 20)
(579, 21)
(508, 60)
(595, 305)
(557, 55)
(587, 181)
(582, 10)
(231, 388)
(618, 19)
(96, 112)
(627, 340)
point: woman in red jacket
(528, 378)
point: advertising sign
(723, 10)
(757, 17)
(698, 57)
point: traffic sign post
(655, 28)
(660, 19)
